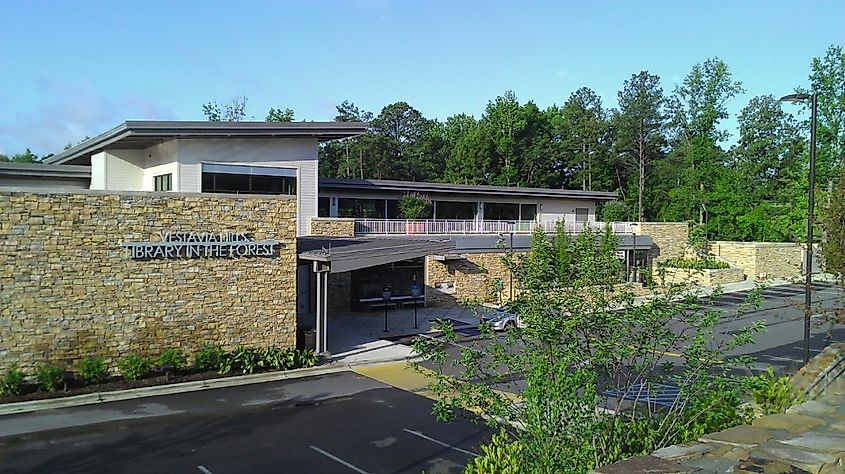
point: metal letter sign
(201, 245)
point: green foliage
(92, 370)
(500, 456)
(208, 357)
(415, 206)
(232, 111)
(248, 360)
(134, 367)
(772, 393)
(585, 338)
(833, 248)
(706, 263)
(172, 356)
(697, 240)
(12, 382)
(49, 377)
(279, 115)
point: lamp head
(795, 98)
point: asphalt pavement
(337, 423)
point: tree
(833, 247)
(555, 386)
(639, 126)
(585, 128)
(279, 115)
(400, 129)
(26, 157)
(696, 108)
(504, 122)
(828, 80)
(233, 111)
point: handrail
(467, 226)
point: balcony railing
(448, 226)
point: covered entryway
(336, 255)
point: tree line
(663, 152)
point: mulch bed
(31, 391)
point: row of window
(459, 210)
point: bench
(394, 301)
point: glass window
(455, 210)
(164, 182)
(527, 212)
(247, 184)
(360, 208)
(582, 214)
(323, 207)
(393, 209)
(501, 211)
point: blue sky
(78, 68)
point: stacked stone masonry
(767, 259)
(449, 282)
(670, 238)
(706, 277)
(333, 227)
(68, 290)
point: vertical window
(323, 207)
(582, 214)
(164, 182)
(527, 212)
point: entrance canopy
(343, 254)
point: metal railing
(450, 226)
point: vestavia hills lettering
(201, 245)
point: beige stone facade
(448, 282)
(767, 259)
(707, 277)
(333, 226)
(68, 289)
(670, 238)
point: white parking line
(337, 459)
(204, 470)
(441, 443)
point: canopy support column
(321, 270)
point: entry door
(303, 289)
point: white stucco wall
(557, 209)
(121, 170)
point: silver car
(503, 318)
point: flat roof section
(383, 185)
(344, 254)
(42, 170)
(140, 134)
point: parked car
(503, 318)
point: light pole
(808, 290)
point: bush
(208, 357)
(134, 367)
(12, 382)
(705, 263)
(49, 377)
(415, 206)
(92, 370)
(172, 356)
(248, 360)
(501, 456)
(772, 393)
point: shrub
(772, 393)
(705, 263)
(208, 357)
(12, 382)
(134, 367)
(501, 456)
(172, 356)
(49, 377)
(92, 370)
(306, 358)
(415, 206)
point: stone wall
(670, 238)
(472, 277)
(340, 292)
(775, 259)
(707, 277)
(68, 289)
(333, 226)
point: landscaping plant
(173, 356)
(49, 377)
(208, 357)
(134, 367)
(772, 393)
(415, 206)
(577, 373)
(92, 370)
(12, 382)
(703, 263)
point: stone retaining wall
(774, 259)
(68, 289)
(448, 282)
(670, 238)
(706, 277)
(333, 226)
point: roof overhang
(40, 170)
(140, 134)
(343, 254)
(385, 186)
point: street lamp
(813, 98)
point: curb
(18, 408)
